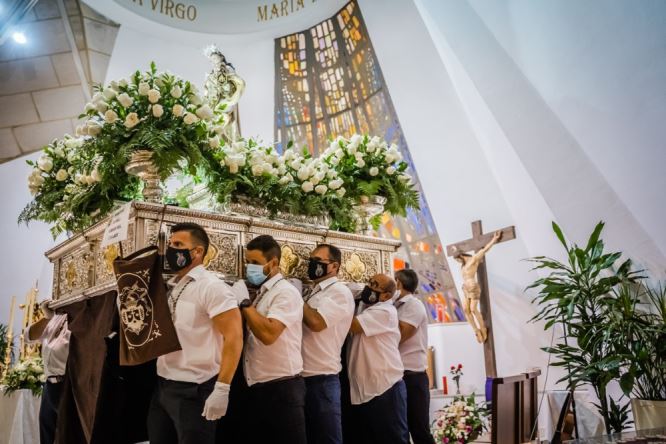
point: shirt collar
(402, 300)
(323, 285)
(271, 282)
(196, 273)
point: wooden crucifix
(477, 291)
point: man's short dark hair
(408, 279)
(333, 252)
(267, 245)
(199, 235)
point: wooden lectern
(515, 408)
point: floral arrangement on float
(141, 130)
(461, 422)
(27, 374)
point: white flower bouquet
(460, 422)
(154, 111)
(27, 374)
(368, 166)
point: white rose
(351, 148)
(405, 178)
(90, 107)
(58, 151)
(144, 88)
(321, 189)
(295, 164)
(335, 184)
(113, 84)
(281, 170)
(233, 168)
(153, 96)
(257, 170)
(341, 192)
(303, 173)
(286, 179)
(205, 112)
(122, 83)
(71, 157)
(190, 118)
(97, 97)
(159, 82)
(176, 92)
(125, 100)
(109, 93)
(158, 111)
(214, 142)
(102, 107)
(307, 186)
(61, 175)
(94, 127)
(110, 116)
(374, 171)
(195, 100)
(178, 110)
(219, 129)
(390, 171)
(360, 163)
(335, 161)
(81, 130)
(95, 175)
(45, 164)
(131, 120)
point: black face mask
(317, 269)
(178, 258)
(369, 296)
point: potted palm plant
(580, 294)
(639, 337)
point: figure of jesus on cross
(476, 303)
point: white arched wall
(489, 95)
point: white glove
(239, 289)
(217, 403)
(44, 306)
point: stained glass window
(329, 83)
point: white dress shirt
(413, 350)
(374, 363)
(55, 345)
(321, 350)
(201, 296)
(279, 300)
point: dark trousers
(418, 407)
(175, 413)
(48, 412)
(278, 412)
(383, 419)
(322, 409)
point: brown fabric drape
(101, 402)
(147, 330)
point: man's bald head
(384, 285)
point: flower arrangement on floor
(461, 422)
(27, 374)
(78, 180)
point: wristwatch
(244, 303)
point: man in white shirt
(327, 315)
(413, 324)
(375, 368)
(53, 333)
(272, 362)
(193, 383)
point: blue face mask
(255, 274)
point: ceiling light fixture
(19, 37)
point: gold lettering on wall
(170, 8)
(275, 10)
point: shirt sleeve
(412, 313)
(218, 298)
(287, 307)
(336, 308)
(376, 321)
